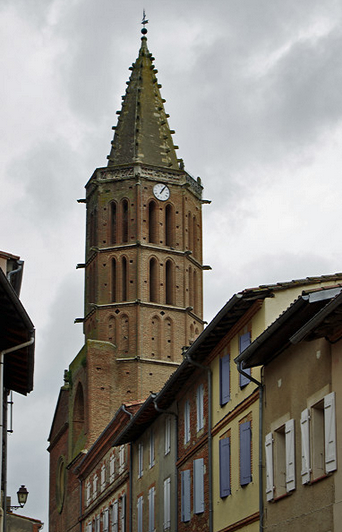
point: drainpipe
(176, 440)
(210, 443)
(261, 396)
(130, 475)
(3, 429)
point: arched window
(190, 228)
(168, 336)
(191, 288)
(113, 223)
(124, 221)
(195, 292)
(169, 283)
(152, 223)
(153, 280)
(124, 332)
(124, 291)
(155, 337)
(169, 225)
(114, 284)
(112, 329)
(194, 236)
(78, 413)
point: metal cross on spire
(144, 22)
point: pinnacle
(142, 133)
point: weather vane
(144, 22)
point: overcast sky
(254, 92)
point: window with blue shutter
(224, 380)
(245, 453)
(185, 495)
(244, 342)
(224, 467)
(198, 486)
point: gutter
(261, 399)
(210, 443)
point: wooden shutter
(269, 466)
(290, 455)
(224, 380)
(330, 433)
(185, 495)
(198, 486)
(244, 342)
(199, 401)
(305, 432)
(167, 503)
(224, 455)
(245, 453)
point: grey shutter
(290, 455)
(224, 379)
(244, 341)
(185, 496)
(198, 486)
(199, 400)
(123, 513)
(269, 466)
(330, 433)
(224, 451)
(305, 432)
(167, 503)
(245, 453)
(151, 510)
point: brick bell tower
(143, 288)
(143, 281)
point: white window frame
(167, 435)
(187, 433)
(167, 503)
(200, 407)
(140, 460)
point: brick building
(143, 283)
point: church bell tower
(143, 289)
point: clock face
(161, 191)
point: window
(186, 422)
(123, 513)
(95, 482)
(153, 278)
(97, 523)
(199, 405)
(169, 226)
(103, 477)
(140, 513)
(280, 461)
(88, 493)
(244, 342)
(151, 495)
(224, 380)
(245, 453)
(167, 437)
(114, 517)
(152, 223)
(124, 283)
(198, 486)
(105, 517)
(114, 288)
(167, 503)
(89, 526)
(121, 459)
(111, 467)
(113, 222)
(185, 495)
(169, 282)
(224, 456)
(140, 460)
(124, 221)
(152, 449)
(318, 431)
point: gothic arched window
(113, 223)
(112, 329)
(169, 225)
(155, 336)
(124, 206)
(114, 283)
(124, 279)
(78, 413)
(152, 223)
(124, 331)
(168, 338)
(153, 280)
(169, 282)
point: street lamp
(22, 494)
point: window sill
(317, 479)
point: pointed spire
(142, 133)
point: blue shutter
(185, 496)
(224, 467)
(198, 486)
(245, 453)
(244, 342)
(224, 380)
